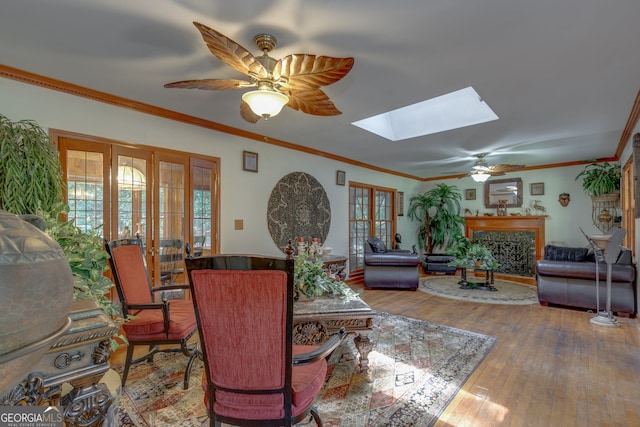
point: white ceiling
(562, 75)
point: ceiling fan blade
(310, 71)
(505, 168)
(247, 113)
(494, 173)
(312, 101)
(230, 52)
(210, 84)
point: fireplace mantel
(533, 224)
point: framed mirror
(503, 189)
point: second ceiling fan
(482, 171)
(294, 80)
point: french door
(168, 199)
(371, 213)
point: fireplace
(514, 250)
(516, 241)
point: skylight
(454, 110)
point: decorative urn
(36, 292)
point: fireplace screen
(514, 250)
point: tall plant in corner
(30, 170)
(31, 183)
(438, 213)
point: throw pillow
(377, 245)
(561, 253)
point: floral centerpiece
(311, 280)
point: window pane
(132, 196)
(202, 220)
(171, 222)
(85, 190)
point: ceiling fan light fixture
(480, 176)
(265, 103)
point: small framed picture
(400, 203)
(537, 189)
(470, 194)
(341, 177)
(249, 161)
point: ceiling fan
(481, 171)
(294, 80)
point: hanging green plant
(30, 170)
(600, 178)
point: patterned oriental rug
(416, 368)
(508, 292)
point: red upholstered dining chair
(153, 324)
(254, 375)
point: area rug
(416, 368)
(508, 292)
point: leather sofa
(567, 277)
(389, 268)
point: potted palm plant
(438, 213)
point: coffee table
(486, 285)
(314, 321)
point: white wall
(244, 195)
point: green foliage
(600, 178)
(312, 281)
(30, 170)
(438, 213)
(87, 259)
(472, 255)
(459, 246)
(31, 183)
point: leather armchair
(391, 269)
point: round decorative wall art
(298, 207)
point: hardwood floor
(549, 367)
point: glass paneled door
(170, 235)
(204, 206)
(131, 197)
(166, 197)
(86, 167)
